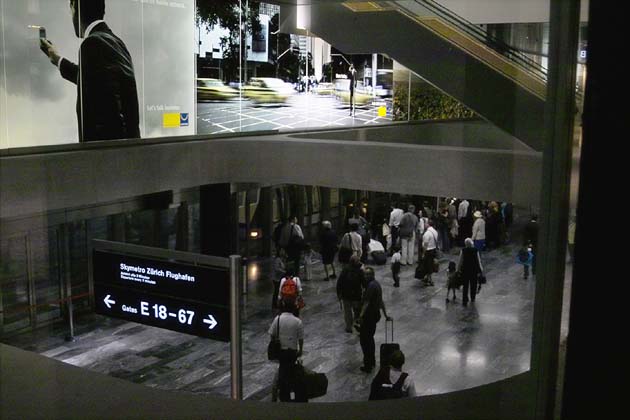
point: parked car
(214, 89)
(267, 90)
(342, 92)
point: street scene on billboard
(265, 79)
(86, 70)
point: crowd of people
(411, 238)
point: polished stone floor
(447, 346)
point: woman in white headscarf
(470, 268)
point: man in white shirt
(394, 225)
(356, 242)
(429, 246)
(407, 231)
(290, 330)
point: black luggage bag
(379, 257)
(388, 348)
(315, 383)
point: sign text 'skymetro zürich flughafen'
(182, 297)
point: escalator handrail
(482, 36)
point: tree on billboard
(228, 14)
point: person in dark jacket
(328, 242)
(350, 290)
(469, 266)
(370, 315)
(107, 98)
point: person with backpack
(290, 292)
(391, 382)
(292, 239)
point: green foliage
(427, 103)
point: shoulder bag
(274, 348)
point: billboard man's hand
(47, 47)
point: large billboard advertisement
(75, 71)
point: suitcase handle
(392, 321)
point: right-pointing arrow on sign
(210, 321)
(108, 301)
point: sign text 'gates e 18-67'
(179, 297)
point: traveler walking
(394, 223)
(289, 330)
(469, 265)
(328, 247)
(370, 315)
(349, 291)
(292, 239)
(407, 232)
(395, 262)
(429, 246)
(278, 272)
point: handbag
(482, 279)
(420, 273)
(274, 348)
(436, 265)
(438, 251)
(345, 252)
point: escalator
(493, 79)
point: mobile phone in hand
(42, 32)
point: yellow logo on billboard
(382, 111)
(170, 120)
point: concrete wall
(440, 165)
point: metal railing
(514, 55)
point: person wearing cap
(479, 231)
(469, 266)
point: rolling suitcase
(388, 348)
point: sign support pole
(236, 359)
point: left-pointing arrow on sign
(210, 321)
(108, 301)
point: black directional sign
(181, 297)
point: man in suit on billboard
(107, 99)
